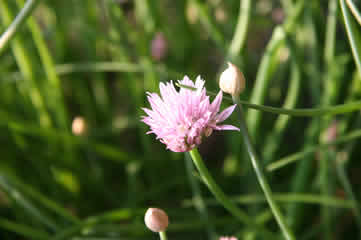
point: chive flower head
(180, 119)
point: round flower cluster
(180, 119)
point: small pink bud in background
(331, 132)
(159, 46)
(278, 15)
(232, 80)
(156, 220)
(228, 238)
(79, 126)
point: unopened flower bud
(159, 47)
(79, 126)
(331, 132)
(156, 220)
(228, 238)
(232, 80)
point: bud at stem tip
(232, 80)
(156, 220)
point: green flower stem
(163, 235)
(197, 197)
(14, 26)
(261, 176)
(224, 200)
(301, 112)
(216, 190)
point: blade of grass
(239, 37)
(264, 72)
(207, 21)
(18, 21)
(40, 198)
(353, 33)
(300, 155)
(26, 204)
(303, 198)
(25, 63)
(54, 96)
(356, 13)
(272, 142)
(346, 184)
(54, 135)
(23, 230)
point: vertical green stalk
(163, 235)
(331, 85)
(288, 234)
(216, 190)
(240, 34)
(330, 32)
(197, 197)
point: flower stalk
(215, 189)
(288, 234)
(163, 235)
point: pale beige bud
(79, 126)
(232, 80)
(156, 220)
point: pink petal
(225, 114)
(216, 102)
(226, 127)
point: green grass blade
(356, 13)
(23, 230)
(26, 66)
(353, 33)
(17, 196)
(18, 21)
(298, 156)
(240, 34)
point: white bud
(232, 80)
(156, 220)
(79, 126)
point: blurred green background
(76, 162)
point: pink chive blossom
(180, 119)
(228, 238)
